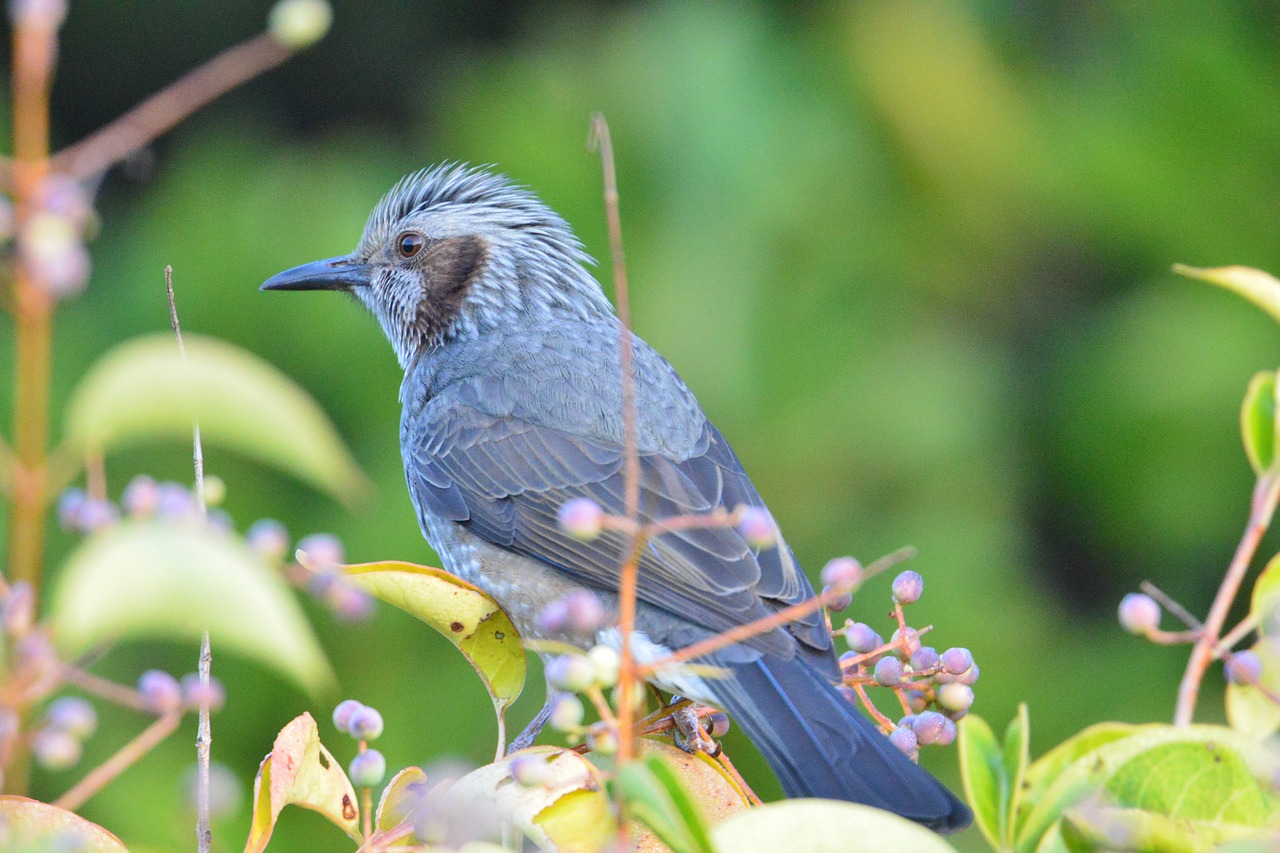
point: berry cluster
(363, 723)
(934, 689)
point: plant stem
(124, 758)
(1263, 506)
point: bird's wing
(504, 478)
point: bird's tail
(821, 746)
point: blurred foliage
(912, 258)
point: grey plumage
(512, 406)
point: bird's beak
(330, 274)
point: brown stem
(111, 691)
(1171, 604)
(160, 112)
(121, 761)
(886, 724)
(723, 758)
(601, 140)
(1265, 495)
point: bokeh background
(913, 258)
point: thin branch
(601, 141)
(121, 761)
(745, 632)
(204, 733)
(160, 112)
(111, 691)
(885, 723)
(723, 758)
(1262, 507)
(1236, 634)
(1171, 604)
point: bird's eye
(409, 244)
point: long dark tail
(821, 746)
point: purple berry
(925, 657)
(268, 538)
(141, 497)
(98, 514)
(906, 721)
(908, 647)
(160, 691)
(342, 713)
(955, 697)
(553, 618)
(928, 726)
(324, 551)
(56, 749)
(367, 769)
(837, 601)
(1244, 667)
(842, 572)
(528, 769)
(175, 501)
(581, 518)
(862, 638)
(73, 715)
(718, 724)
(888, 671)
(578, 612)
(948, 734)
(570, 673)
(566, 713)
(1139, 613)
(850, 695)
(349, 603)
(904, 739)
(969, 676)
(916, 701)
(195, 694)
(957, 661)
(365, 723)
(757, 527)
(70, 511)
(908, 587)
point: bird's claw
(689, 733)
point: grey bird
(512, 406)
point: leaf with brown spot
(469, 618)
(301, 772)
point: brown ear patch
(450, 265)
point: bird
(512, 406)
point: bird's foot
(525, 739)
(690, 735)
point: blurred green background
(913, 258)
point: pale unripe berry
(1139, 613)
(367, 769)
(581, 518)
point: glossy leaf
(170, 579)
(144, 390)
(33, 825)
(822, 826)
(1192, 773)
(983, 776)
(1258, 421)
(1045, 770)
(403, 794)
(654, 796)
(1260, 288)
(300, 771)
(1017, 757)
(469, 618)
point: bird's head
(454, 251)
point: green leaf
(1260, 288)
(167, 579)
(400, 799)
(1103, 827)
(1264, 604)
(822, 826)
(1017, 755)
(983, 775)
(300, 771)
(469, 618)
(143, 390)
(1192, 773)
(34, 826)
(654, 796)
(1258, 421)
(1046, 769)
